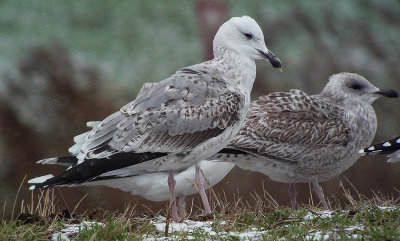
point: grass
(361, 219)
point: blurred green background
(63, 63)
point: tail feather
(91, 168)
(39, 180)
(61, 161)
(79, 140)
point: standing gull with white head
(179, 121)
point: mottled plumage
(390, 148)
(297, 138)
(173, 116)
(179, 121)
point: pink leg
(293, 195)
(182, 205)
(198, 180)
(172, 199)
(320, 193)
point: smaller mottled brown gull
(390, 148)
(298, 138)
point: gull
(178, 121)
(294, 138)
(390, 148)
(153, 186)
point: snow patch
(382, 208)
(190, 226)
(332, 234)
(59, 237)
(72, 229)
(318, 214)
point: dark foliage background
(65, 63)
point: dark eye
(248, 35)
(356, 86)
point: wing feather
(285, 125)
(174, 115)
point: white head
(243, 35)
(344, 86)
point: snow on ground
(350, 230)
(190, 226)
(323, 235)
(387, 208)
(319, 214)
(71, 229)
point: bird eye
(248, 35)
(356, 86)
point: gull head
(349, 85)
(243, 35)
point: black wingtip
(233, 151)
(91, 168)
(386, 147)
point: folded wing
(284, 125)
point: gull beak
(275, 62)
(389, 93)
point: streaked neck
(238, 69)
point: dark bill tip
(275, 62)
(389, 93)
